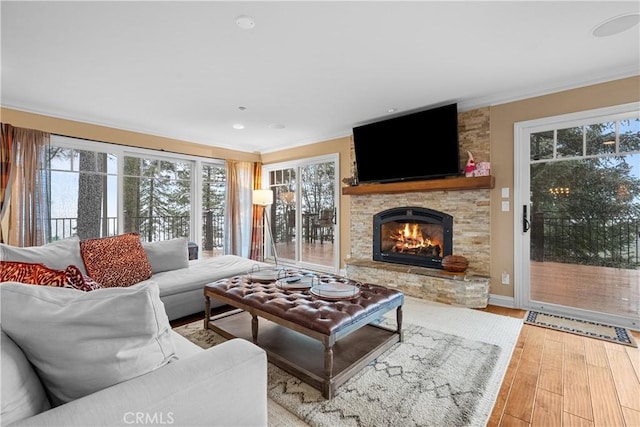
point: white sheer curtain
(239, 217)
(28, 210)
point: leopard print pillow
(40, 274)
(116, 261)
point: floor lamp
(264, 198)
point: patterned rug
(430, 379)
(586, 328)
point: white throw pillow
(81, 342)
(166, 255)
(57, 255)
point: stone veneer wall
(473, 135)
(470, 208)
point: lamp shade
(262, 197)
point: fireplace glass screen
(411, 235)
(411, 238)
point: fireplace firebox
(412, 235)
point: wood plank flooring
(562, 379)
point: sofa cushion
(39, 274)
(81, 342)
(22, 392)
(58, 254)
(166, 255)
(116, 261)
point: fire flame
(410, 238)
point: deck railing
(151, 229)
(610, 242)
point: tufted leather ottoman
(323, 342)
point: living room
(495, 142)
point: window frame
(120, 151)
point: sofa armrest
(225, 385)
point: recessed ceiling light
(238, 126)
(616, 25)
(245, 22)
(392, 110)
(276, 126)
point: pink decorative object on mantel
(470, 167)
(482, 169)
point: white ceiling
(182, 69)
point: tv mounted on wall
(420, 145)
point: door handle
(526, 225)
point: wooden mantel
(446, 184)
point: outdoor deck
(602, 289)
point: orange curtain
(5, 168)
(256, 229)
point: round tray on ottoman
(335, 291)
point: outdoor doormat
(581, 327)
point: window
(157, 198)
(83, 192)
(214, 188)
(615, 137)
(585, 191)
(98, 189)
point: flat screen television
(420, 145)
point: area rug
(586, 328)
(439, 375)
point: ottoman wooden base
(321, 342)
(303, 357)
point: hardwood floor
(561, 379)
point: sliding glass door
(304, 213)
(580, 227)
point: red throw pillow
(32, 274)
(40, 274)
(116, 261)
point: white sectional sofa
(180, 280)
(181, 289)
(108, 357)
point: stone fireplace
(466, 200)
(469, 213)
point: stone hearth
(467, 290)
